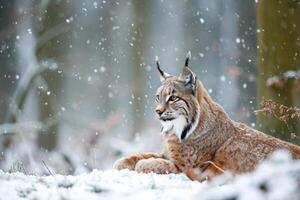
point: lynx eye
(157, 98)
(173, 98)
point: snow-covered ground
(276, 178)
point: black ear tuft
(158, 66)
(163, 75)
(187, 59)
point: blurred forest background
(77, 77)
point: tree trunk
(8, 65)
(138, 67)
(279, 51)
(247, 52)
(51, 51)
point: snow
(276, 178)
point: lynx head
(177, 105)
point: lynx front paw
(125, 163)
(146, 166)
(155, 165)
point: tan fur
(218, 143)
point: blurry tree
(138, 41)
(7, 53)
(106, 56)
(246, 60)
(51, 42)
(202, 31)
(279, 57)
(7, 59)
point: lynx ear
(163, 75)
(187, 76)
(187, 59)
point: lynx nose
(159, 112)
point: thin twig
(23, 167)
(47, 168)
(216, 166)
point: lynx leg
(130, 161)
(156, 165)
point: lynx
(200, 139)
